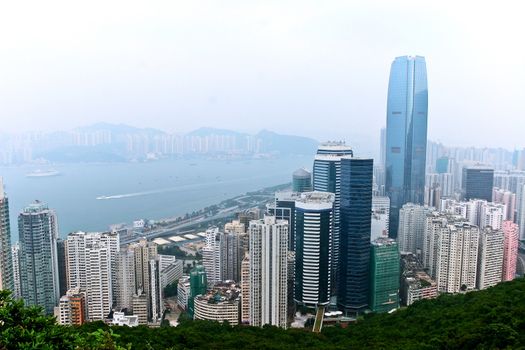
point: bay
(152, 190)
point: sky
(312, 68)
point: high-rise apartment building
(15, 251)
(411, 230)
(510, 250)
(508, 199)
(301, 180)
(313, 255)
(245, 289)
(125, 288)
(144, 252)
(477, 182)
(6, 261)
(230, 256)
(198, 286)
(91, 265)
(451, 252)
(183, 292)
(490, 258)
(384, 275)
(327, 178)
(72, 308)
(140, 306)
(38, 233)
(356, 207)
(406, 135)
(211, 255)
(268, 272)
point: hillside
(489, 319)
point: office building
(313, 261)
(62, 266)
(221, 303)
(406, 135)
(411, 230)
(384, 275)
(268, 272)
(510, 250)
(73, 308)
(302, 180)
(198, 286)
(490, 258)
(6, 261)
(327, 178)
(380, 217)
(38, 233)
(284, 209)
(356, 207)
(477, 182)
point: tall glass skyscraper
(356, 210)
(327, 178)
(406, 135)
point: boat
(43, 173)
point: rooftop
(222, 292)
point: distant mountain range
(104, 142)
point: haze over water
(152, 190)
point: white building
(91, 265)
(170, 269)
(451, 252)
(183, 292)
(380, 214)
(120, 319)
(211, 255)
(245, 289)
(15, 253)
(490, 261)
(410, 234)
(268, 271)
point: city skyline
(153, 64)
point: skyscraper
(406, 134)
(6, 262)
(38, 232)
(510, 250)
(477, 182)
(301, 180)
(144, 252)
(231, 256)
(412, 219)
(198, 286)
(17, 291)
(211, 255)
(356, 209)
(327, 178)
(490, 258)
(284, 209)
(313, 260)
(268, 272)
(384, 275)
(90, 257)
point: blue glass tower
(406, 135)
(356, 217)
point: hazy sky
(313, 68)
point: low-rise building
(415, 284)
(221, 303)
(72, 308)
(120, 319)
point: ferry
(43, 173)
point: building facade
(406, 135)
(477, 182)
(38, 233)
(384, 275)
(356, 206)
(302, 180)
(6, 261)
(490, 258)
(313, 254)
(268, 272)
(510, 250)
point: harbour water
(130, 191)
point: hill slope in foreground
(489, 319)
